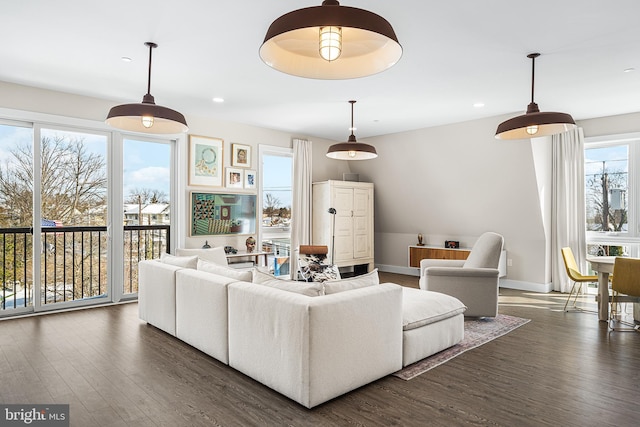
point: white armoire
(349, 232)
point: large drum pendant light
(330, 42)
(352, 149)
(147, 117)
(535, 123)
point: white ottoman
(431, 322)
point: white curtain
(568, 210)
(301, 209)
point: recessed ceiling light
(218, 100)
(629, 70)
(126, 59)
(478, 104)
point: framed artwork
(205, 161)
(222, 213)
(250, 179)
(240, 155)
(235, 177)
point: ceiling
(455, 54)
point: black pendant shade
(352, 149)
(330, 42)
(147, 117)
(535, 123)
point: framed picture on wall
(205, 161)
(234, 177)
(228, 213)
(250, 179)
(240, 155)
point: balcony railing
(73, 262)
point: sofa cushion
(312, 289)
(335, 286)
(421, 308)
(232, 273)
(179, 261)
(216, 255)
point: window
(276, 198)
(611, 195)
(79, 207)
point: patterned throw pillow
(314, 268)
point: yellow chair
(626, 281)
(574, 274)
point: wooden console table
(416, 253)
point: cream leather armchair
(473, 281)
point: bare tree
(271, 205)
(73, 182)
(602, 216)
(147, 195)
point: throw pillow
(179, 261)
(364, 280)
(304, 288)
(216, 255)
(232, 273)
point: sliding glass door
(73, 216)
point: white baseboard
(526, 286)
(504, 283)
(409, 271)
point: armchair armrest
(462, 272)
(429, 262)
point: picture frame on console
(206, 161)
(214, 214)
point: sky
(146, 164)
(277, 177)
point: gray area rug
(476, 333)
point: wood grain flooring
(560, 369)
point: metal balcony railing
(73, 262)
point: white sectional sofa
(308, 348)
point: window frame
(630, 238)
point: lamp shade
(352, 151)
(147, 117)
(364, 43)
(535, 123)
(130, 117)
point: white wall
(454, 183)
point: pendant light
(535, 123)
(352, 149)
(330, 42)
(147, 117)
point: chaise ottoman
(431, 322)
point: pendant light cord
(533, 107)
(533, 73)
(151, 46)
(352, 102)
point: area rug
(476, 333)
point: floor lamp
(332, 211)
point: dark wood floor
(560, 369)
